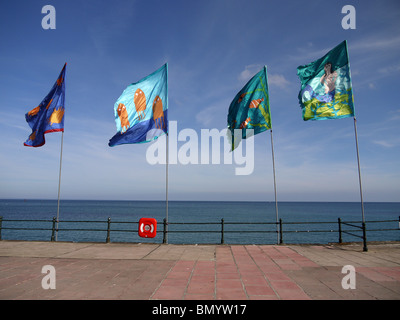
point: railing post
(365, 249)
(53, 230)
(280, 232)
(108, 230)
(1, 222)
(164, 231)
(222, 231)
(340, 230)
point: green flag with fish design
(250, 109)
(326, 90)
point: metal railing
(349, 228)
(357, 228)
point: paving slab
(127, 271)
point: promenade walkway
(119, 271)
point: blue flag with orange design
(48, 116)
(141, 112)
(250, 109)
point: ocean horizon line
(228, 201)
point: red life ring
(147, 227)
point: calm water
(125, 215)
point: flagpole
(166, 170)
(276, 201)
(59, 183)
(361, 193)
(166, 195)
(358, 155)
(359, 170)
(273, 161)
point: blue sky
(213, 47)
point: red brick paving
(240, 272)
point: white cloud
(206, 116)
(273, 79)
(249, 71)
(278, 80)
(383, 143)
(395, 115)
(376, 43)
(386, 143)
(389, 70)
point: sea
(199, 222)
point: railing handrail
(222, 224)
(170, 223)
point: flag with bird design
(141, 112)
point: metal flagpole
(59, 183)
(361, 194)
(166, 195)
(166, 173)
(276, 201)
(273, 162)
(359, 170)
(358, 157)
